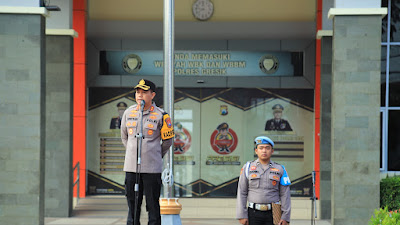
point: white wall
(357, 3)
(24, 3)
(60, 19)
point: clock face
(203, 9)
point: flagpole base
(170, 209)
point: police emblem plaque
(269, 64)
(132, 63)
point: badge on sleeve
(167, 130)
(285, 181)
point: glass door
(215, 129)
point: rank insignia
(275, 169)
(254, 175)
(150, 125)
(130, 131)
(253, 168)
(153, 117)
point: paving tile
(82, 221)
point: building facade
(305, 73)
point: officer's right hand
(244, 221)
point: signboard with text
(201, 63)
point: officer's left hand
(283, 222)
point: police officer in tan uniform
(261, 183)
(157, 138)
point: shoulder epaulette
(276, 163)
(247, 168)
(162, 110)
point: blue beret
(263, 140)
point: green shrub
(390, 193)
(384, 217)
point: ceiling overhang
(232, 19)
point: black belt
(261, 207)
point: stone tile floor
(113, 211)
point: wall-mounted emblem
(223, 140)
(182, 140)
(268, 64)
(223, 110)
(132, 63)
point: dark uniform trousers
(150, 183)
(257, 217)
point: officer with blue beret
(263, 182)
(277, 123)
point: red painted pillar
(317, 100)
(79, 120)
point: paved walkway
(113, 211)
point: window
(390, 87)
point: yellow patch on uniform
(253, 168)
(241, 171)
(151, 108)
(150, 132)
(134, 111)
(134, 124)
(150, 125)
(254, 175)
(154, 113)
(130, 131)
(133, 115)
(128, 124)
(275, 169)
(153, 117)
(167, 130)
(276, 178)
(274, 182)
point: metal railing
(76, 182)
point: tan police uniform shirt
(154, 120)
(262, 187)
